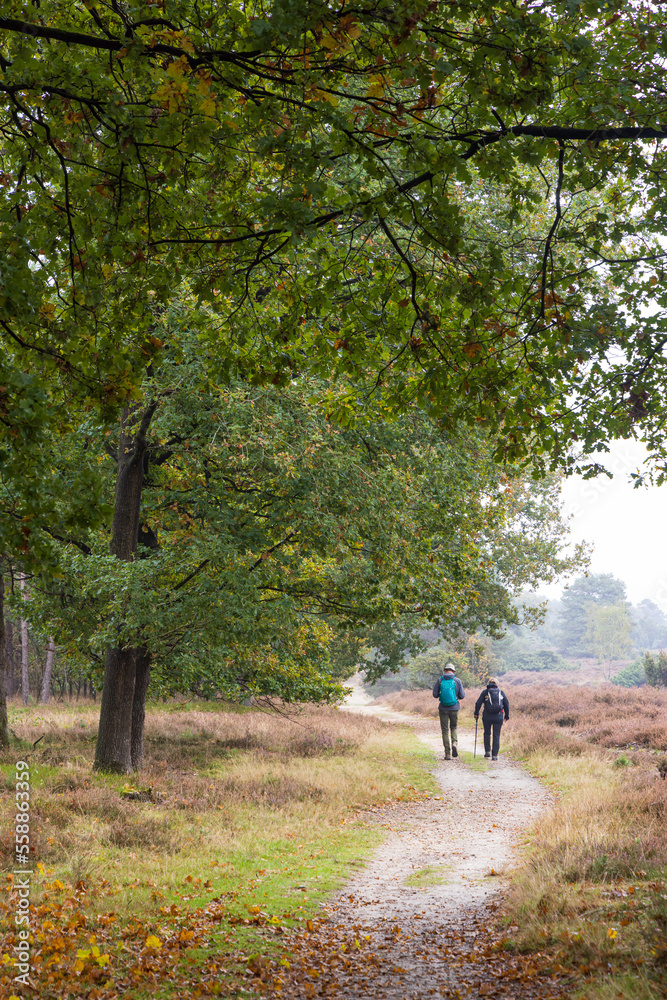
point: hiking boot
(487, 754)
(447, 756)
(455, 752)
(494, 758)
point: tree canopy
(650, 625)
(450, 203)
(451, 210)
(608, 633)
(271, 537)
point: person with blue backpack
(496, 708)
(450, 692)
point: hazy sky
(627, 526)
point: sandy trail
(474, 830)
(421, 905)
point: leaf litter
(386, 935)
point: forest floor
(420, 918)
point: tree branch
(554, 227)
(191, 575)
(116, 44)
(272, 549)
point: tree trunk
(4, 725)
(117, 711)
(114, 737)
(142, 678)
(9, 653)
(25, 661)
(48, 670)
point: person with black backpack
(496, 708)
(450, 691)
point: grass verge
(477, 763)
(593, 889)
(185, 881)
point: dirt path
(472, 832)
(414, 922)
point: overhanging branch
(115, 44)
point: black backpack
(494, 700)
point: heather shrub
(528, 736)
(173, 736)
(608, 716)
(178, 738)
(145, 831)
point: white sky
(627, 526)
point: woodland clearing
(245, 871)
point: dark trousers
(496, 724)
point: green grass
(631, 986)
(429, 876)
(478, 763)
(265, 830)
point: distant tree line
(593, 619)
(33, 667)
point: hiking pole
(476, 724)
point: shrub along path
(420, 919)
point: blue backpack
(448, 692)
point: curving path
(419, 912)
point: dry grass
(412, 702)
(605, 826)
(592, 888)
(607, 716)
(593, 885)
(217, 778)
(248, 807)
(225, 773)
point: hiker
(450, 691)
(496, 707)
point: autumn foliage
(181, 880)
